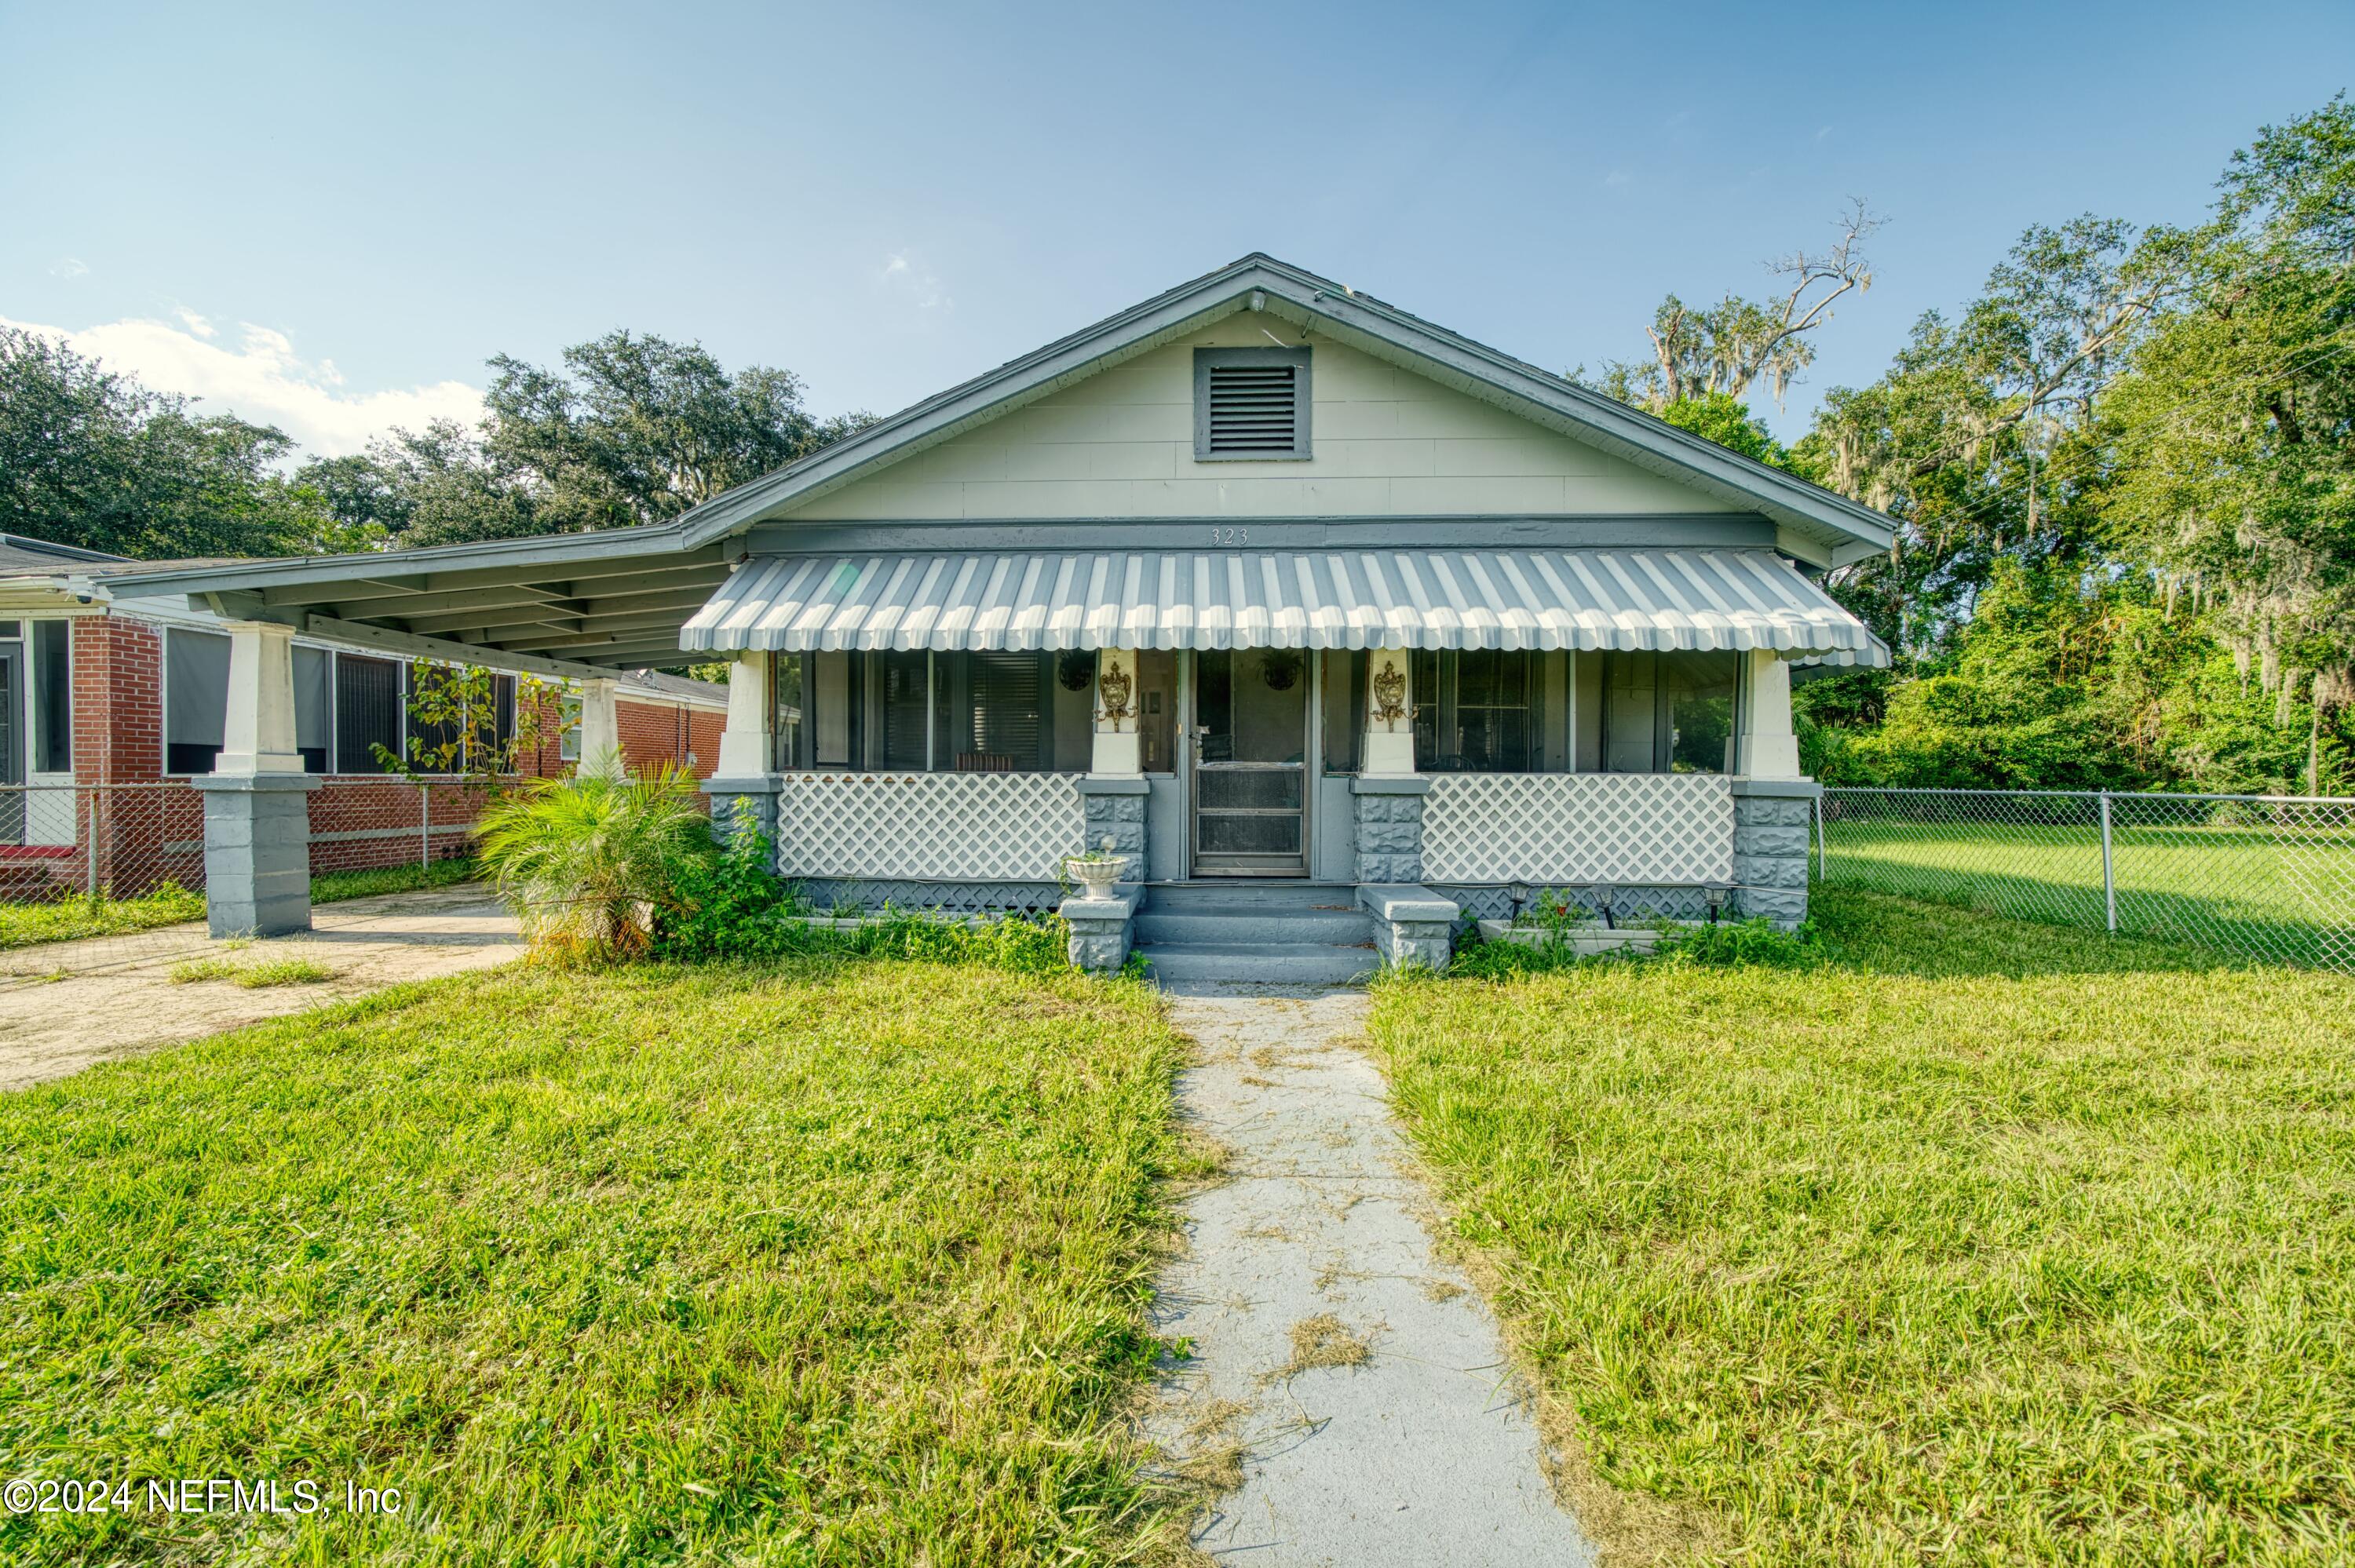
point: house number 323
(1229, 538)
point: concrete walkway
(114, 996)
(1356, 1378)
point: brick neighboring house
(111, 704)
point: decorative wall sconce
(1390, 691)
(1115, 688)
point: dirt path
(1349, 1382)
(114, 996)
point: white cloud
(1618, 177)
(263, 379)
(67, 267)
(903, 274)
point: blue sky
(331, 218)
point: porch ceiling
(568, 610)
(1630, 598)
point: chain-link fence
(2269, 876)
(95, 875)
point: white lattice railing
(929, 827)
(1666, 829)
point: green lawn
(2287, 897)
(1990, 1242)
(63, 921)
(825, 1262)
(334, 887)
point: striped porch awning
(1622, 598)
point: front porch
(1415, 792)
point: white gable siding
(1387, 442)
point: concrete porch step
(1232, 923)
(1261, 963)
(1185, 898)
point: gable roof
(550, 601)
(1826, 527)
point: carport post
(601, 728)
(257, 813)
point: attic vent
(1250, 404)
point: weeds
(284, 971)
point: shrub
(1736, 944)
(1040, 946)
(1727, 944)
(587, 862)
(730, 903)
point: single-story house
(113, 701)
(1339, 625)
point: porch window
(1345, 708)
(1475, 711)
(1156, 712)
(1667, 712)
(916, 712)
(790, 722)
(998, 716)
(902, 689)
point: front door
(1251, 740)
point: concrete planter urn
(1098, 873)
(1586, 941)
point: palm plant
(584, 861)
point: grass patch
(193, 971)
(2282, 896)
(65, 919)
(824, 1261)
(334, 887)
(283, 971)
(1981, 1241)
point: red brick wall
(653, 732)
(360, 823)
(118, 716)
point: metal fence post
(425, 824)
(1816, 810)
(90, 843)
(2109, 878)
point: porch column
(1773, 802)
(601, 728)
(1118, 748)
(1112, 796)
(257, 813)
(1390, 712)
(1387, 792)
(1773, 750)
(743, 784)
